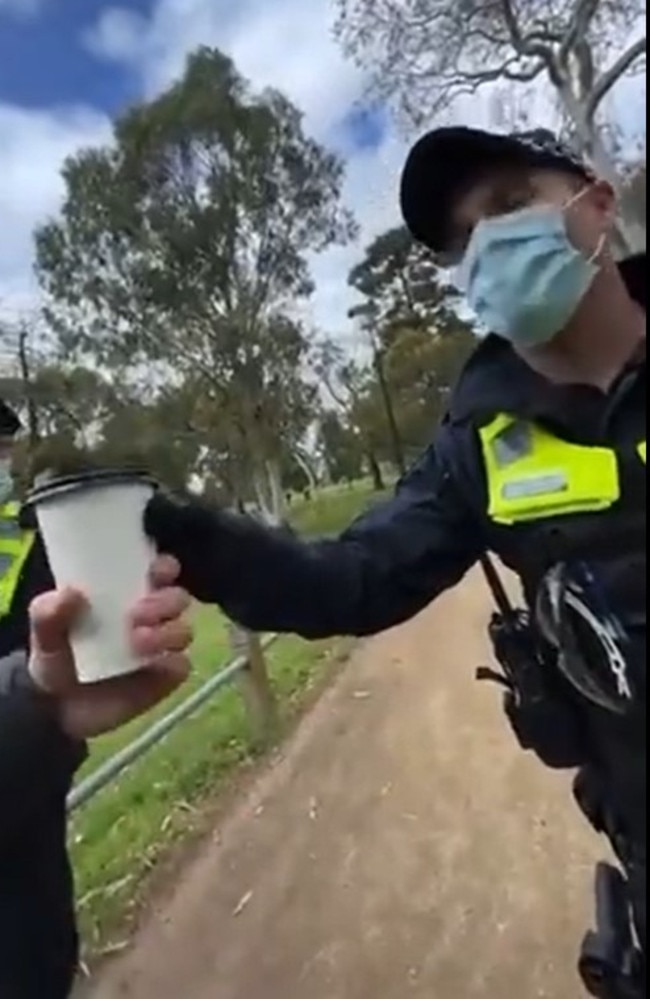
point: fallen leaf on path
(243, 902)
(114, 948)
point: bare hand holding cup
(159, 637)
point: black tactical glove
(214, 547)
(265, 578)
(196, 536)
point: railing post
(254, 684)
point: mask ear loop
(599, 249)
(603, 236)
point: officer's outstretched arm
(37, 760)
(383, 569)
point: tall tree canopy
(417, 338)
(185, 243)
(399, 283)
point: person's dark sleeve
(383, 569)
(37, 760)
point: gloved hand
(238, 563)
(203, 539)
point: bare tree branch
(423, 55)
(608, 79)
(582, 16)
(529, 44)
(461, 77)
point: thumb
(51, 617)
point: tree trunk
(269, 495)
(307, 469)
(393, 429)
(260, 485)
(278, 507)
(25, 373)
(326, 474)
(375, 472)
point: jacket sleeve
(383, 569)
(37, 761)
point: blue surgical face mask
(523, 277)
(6, 480)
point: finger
(161, 605)
(170, 636)
(51, 616)
(101, 707)
(163, 571)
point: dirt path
(400, 849)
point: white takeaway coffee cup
(91, 525)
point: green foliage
(330, 510)
(184, 245)
(342, 449)
(418, 344)
(399, 283)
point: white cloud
(34, 146)
(284, 43)
(116, 34)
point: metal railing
(113, 767)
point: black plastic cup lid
(99, 478)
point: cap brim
(442, 165)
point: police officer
(540, 458)
(45, 718)
(24, 570)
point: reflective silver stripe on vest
(539, 485)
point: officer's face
(589, 207)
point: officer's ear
(604, 200)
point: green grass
(332, 509)
(123, 833)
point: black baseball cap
(445, 162)
(9, 421)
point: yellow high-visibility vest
(15, 546)
(531, 474)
